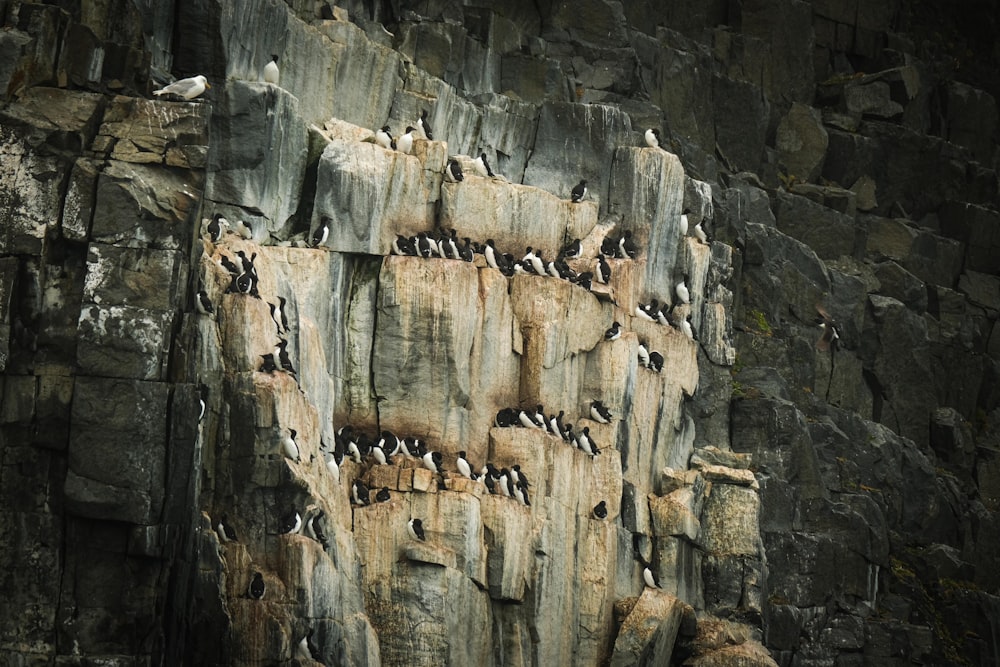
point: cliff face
(798, 506)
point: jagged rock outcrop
(799, 503)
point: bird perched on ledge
(189, 88)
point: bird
(830, 337)
(601, 510)
(643, 311)
(649, 577)
(268, 365)
(189, 88)
(643, 355)
(600, 413)
(415, 527)
(700, 234)
(572, 249)
(614, 333)
(603, 272)
(405, 143)
(215, 227)
(432, 461)
(203, 303)
(202, 401)
(520, 493)
(425, 126)
(609, 246)
(681, 290)
(359, 493)
(537, 263)
(244, 229)
(579, 191)
(256, 588)
(655, 362)
(282, 353)
(282, 318)
(465, 252)
(383, 495)
(684, 222)
(289, 447)
(453, 172)
(383, 137)
(686, 328)
(652, 137)
(271, 71)
(224, 530)
(378, 454)
(291, 523)
(626, 246)
(334, 467)
(321, 233)
(518, 476)
(483, 166)
(462, 463)
(587, 444)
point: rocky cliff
(181, 484)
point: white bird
(482, 167)
(686, 327)
(643, 355)
(189, 88)
(405, 143)
(490, 253)
(271, 71)
(681, 290)
(700, 234)
(649, 578)
(653, 138)
(289, 446)
(334, 469)
(684, 223)
(383, 137)
(463, 466)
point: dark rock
(786, 25)
(828, 233)
(741, 114)
(971, 117)
(801, 141)
(979, 228)
(898, 283)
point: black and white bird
(684, 222)
(271, 72)
(281, 351)
(289, 447)
(405, 143)
(687, 328)
(603, 270)
(572, 249)
(359, 493)
(282, 316)
(652, 137)
(579, 191)
(244, 229)
(700, 233)
(291, 523)
(403, 246)
(321, 233)
(333, 465)
(482, 166)
(383, 137)
(626, 246)
(643, 355)
(267, 365)
(587, 443)
(383, 495)
(682, 291)
(614, 333)
(527, 419)
(655, 362)
(453, 172)
(600, 413)
(601, 510)
(378, 455)
(202, 303)
(518, 476)
(432, 461)
(415, 527)
(216, 226)
(224, 530)
(202, 401)
(425, 126)
(256, 588)
(644, 311)
(189, 88)
(520, 493)
(830, 337)
(609, 246)
(462, 463)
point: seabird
(244, 229)
(686, 327)
(572, 250)
(681, 290)
(425, 246)
(601, 510)
(189, 88)
(655, 362)
(506, 417)
(453, 172)
(275, 317)
(425, 126)
(215, 227)
(649, 577)
(271, 71)
(359, 493)
(603, 272)
(626, 246)
(402, 246)
(256, 588)
(579, 191)
(334, 467)
(281, 313)
(322, 232)
(432, 461)
(661, 317)
(521, 494)
(609, 246)
(202, 401)
(684, 222)
(224, 530)
(504, 481)
(405, 143)
(584, 280)
(378, 454)
(451, 246)
(291, 523)
(483, 166)
(600, 413)
(587, 444)
(203, 303)
(643, 355)
(462, 463)
(830, 338)
(700, 234)
(289, 447)
(569, 436)
(354, 451)
(642, 311)
(415, 527)
(552, 425)
(465, 252)
(653, 137)
(382, 496)
(268, 365)
(282, 351)
(490, 253)
(383, 137)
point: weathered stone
(801, 141)
(828, 233)
(898, 283)
(154, 132)
(864, 189)
(971, 115)
(648, 631)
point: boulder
(648, 630)
(801, 141)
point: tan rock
(730, 521)
(647, 634)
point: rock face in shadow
(169, 497)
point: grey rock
(801, 141)
(827, 232)
(898, 283)
(741, 143)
